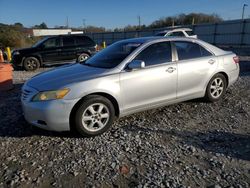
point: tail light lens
(97, 48)
(236, 59)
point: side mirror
(136, 64)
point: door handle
(211, 61)
(171, 69)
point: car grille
(27, 93)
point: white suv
(180, 32)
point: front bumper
(51, 115)
(17, 60)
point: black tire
(91, 127)
(31, 64)
(216, 88)
(83, 57)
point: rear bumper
(233, 76)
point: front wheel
(31, 64)
(94, 116)
(216, 88)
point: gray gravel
(191, 144)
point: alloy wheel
(217, 87)
(95, 117)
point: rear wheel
(31, 64)
(83, 57)
(94, 116)
(216, 88)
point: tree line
(17, 35)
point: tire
(31, 64)
(83, 57)
(99, 114)
(216, 88)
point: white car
(179, 32)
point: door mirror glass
(136, 64)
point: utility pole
(243, 11)
(139, 21)
(84, 25)
(67, 22)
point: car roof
(156, 38)
(176, 29)
(148, 40)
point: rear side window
(52, 43)
(177, 34)
(82, 40)
(189, 50)
(68, 41)
(156, 54)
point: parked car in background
(127, 77)
(179, 32)
(54, 50)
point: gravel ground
(191, 144)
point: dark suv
(54, 50)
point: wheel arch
(225, 75)
(103, 94)
(38, 57)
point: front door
(152, 85)
(50, 50)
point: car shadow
(218, 142)
(12, 122)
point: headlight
(16, 53)
(50, 95)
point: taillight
(97, 48)
(236, 59)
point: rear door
(195, 67)
(68, 51)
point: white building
(48, 32)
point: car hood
(26, 50)
(65, 75)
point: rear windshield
(113, 55)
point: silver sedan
(127, 77)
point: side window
(68, 41)
(81, 40)
(177, 34)
(156, 54)
(51, 43)
(189, 50)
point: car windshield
(113, 55)
(40, 42)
